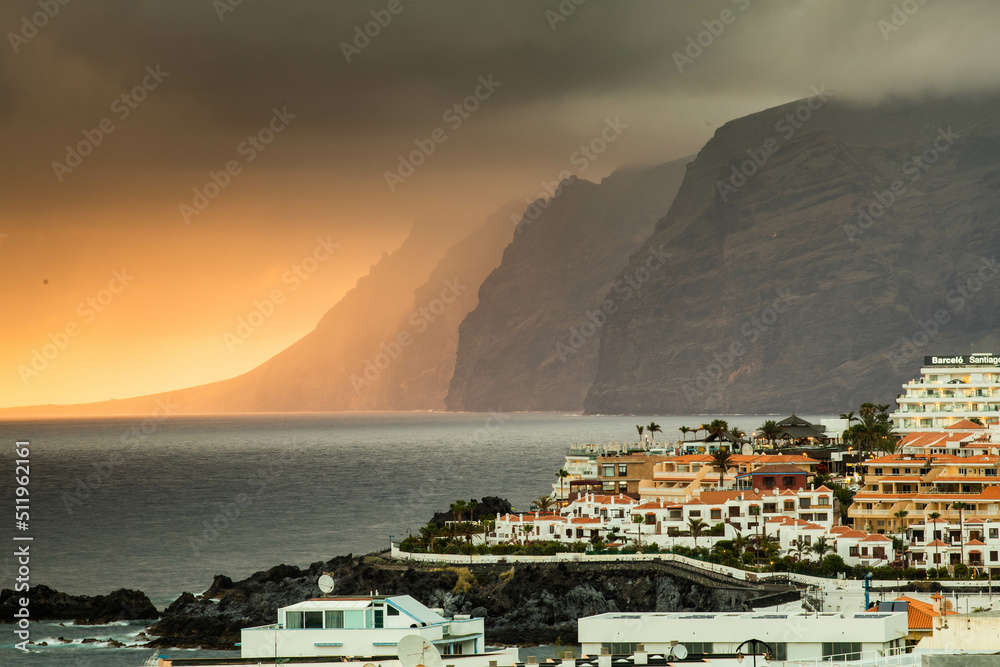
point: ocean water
(165, 509)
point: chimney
(640, 657)
(568, 659)
(937, 597)
(604, 660)
(531, 660)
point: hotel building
(948, 390)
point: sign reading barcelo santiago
(963, 360)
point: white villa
(365, 627)
(948, 390)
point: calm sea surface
(158, 511)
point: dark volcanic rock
(560, 267)
(522, 604)
(48, 604)
(487, 508)
(867, 296)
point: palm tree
(737, 432)
(544, 503)
(722, 461)
(934, 516)
(639, 520)
(959, 505)
(684, 431)
(457, 509)
(696, 526)
(527, 529)
(428, 533)
(640, 428)
(822, 547)
(901, 514)
(473, 504)
(800, 547)
(770, 430)
(716, 428)
(872, 430)
(562, 475)
(653, 429)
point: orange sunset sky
(64, 232)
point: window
(695, 513)
(804, 503)
(391, 611)
(993, 556)
(552, 530)
(698, 647)
(770, 508)
(717, 514)
(807, 540)
(620, 648)
(622, 487)
(878, 552)
(379, 618)
(335, 619)
(853, 551)
(608, 470)
(622, 469)
(864, 552)
(778, 650)
(937, 558)
(789, 505)
(820, 517)
(842, 650)
(823, 501)
(608, 487)
(768, 482)
(994, 533)
(788, 481)
(293, 620)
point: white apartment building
(948, 390)
(787, 636)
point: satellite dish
(415, 651)
(325, 583)
(747, 449)
(680, 652)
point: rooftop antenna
(415, 651)
(325, 584)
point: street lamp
(754, 644)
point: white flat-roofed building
(790, 636)
(366, 627)
(950, 389)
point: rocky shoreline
(523, 604)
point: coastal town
(852, 494)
